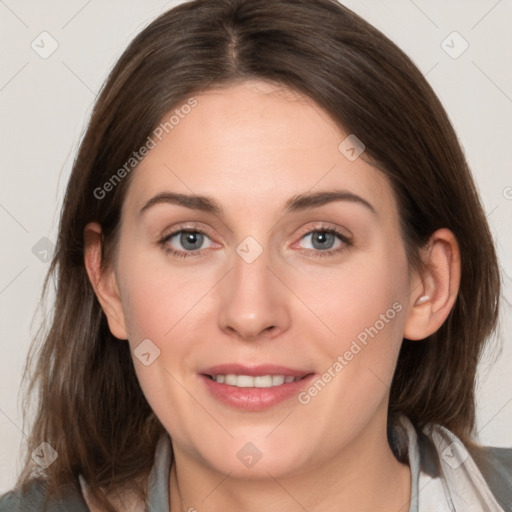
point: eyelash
(312, 252)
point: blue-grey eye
(321, 239)
(191, 240)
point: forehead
(254, 145)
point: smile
(254, 388)
(248, 381)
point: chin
(256, 460)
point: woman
(274, 281)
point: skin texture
(251, 147)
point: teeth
(263, 381)
(277, 380)
(248, 381)
(230, 380)
(244, 381)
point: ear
(103, 281)
(433, 293)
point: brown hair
(91, 409)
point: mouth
(248, 381)
(254, 388)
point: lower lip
(255, 399)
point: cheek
(364, 308)
(159, 306)
(168, 307)
(362, 301)
(158, 299)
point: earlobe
(103, 281)
(435, 291)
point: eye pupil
(322, 237)
(191, 241)
(193, 238)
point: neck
(364, 476)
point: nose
(254, 302)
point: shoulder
(464, 469)
(33, 497)
(495, 464)
(498, 458)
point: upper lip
(254, 370)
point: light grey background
(45, 103)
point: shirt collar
(158, 484)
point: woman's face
(293, 275)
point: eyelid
(176, 232)
(344, 238)
(185, 227)
(163, 240)
(326, 226)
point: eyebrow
(296, 203)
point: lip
(254, 371)
(254, 399)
